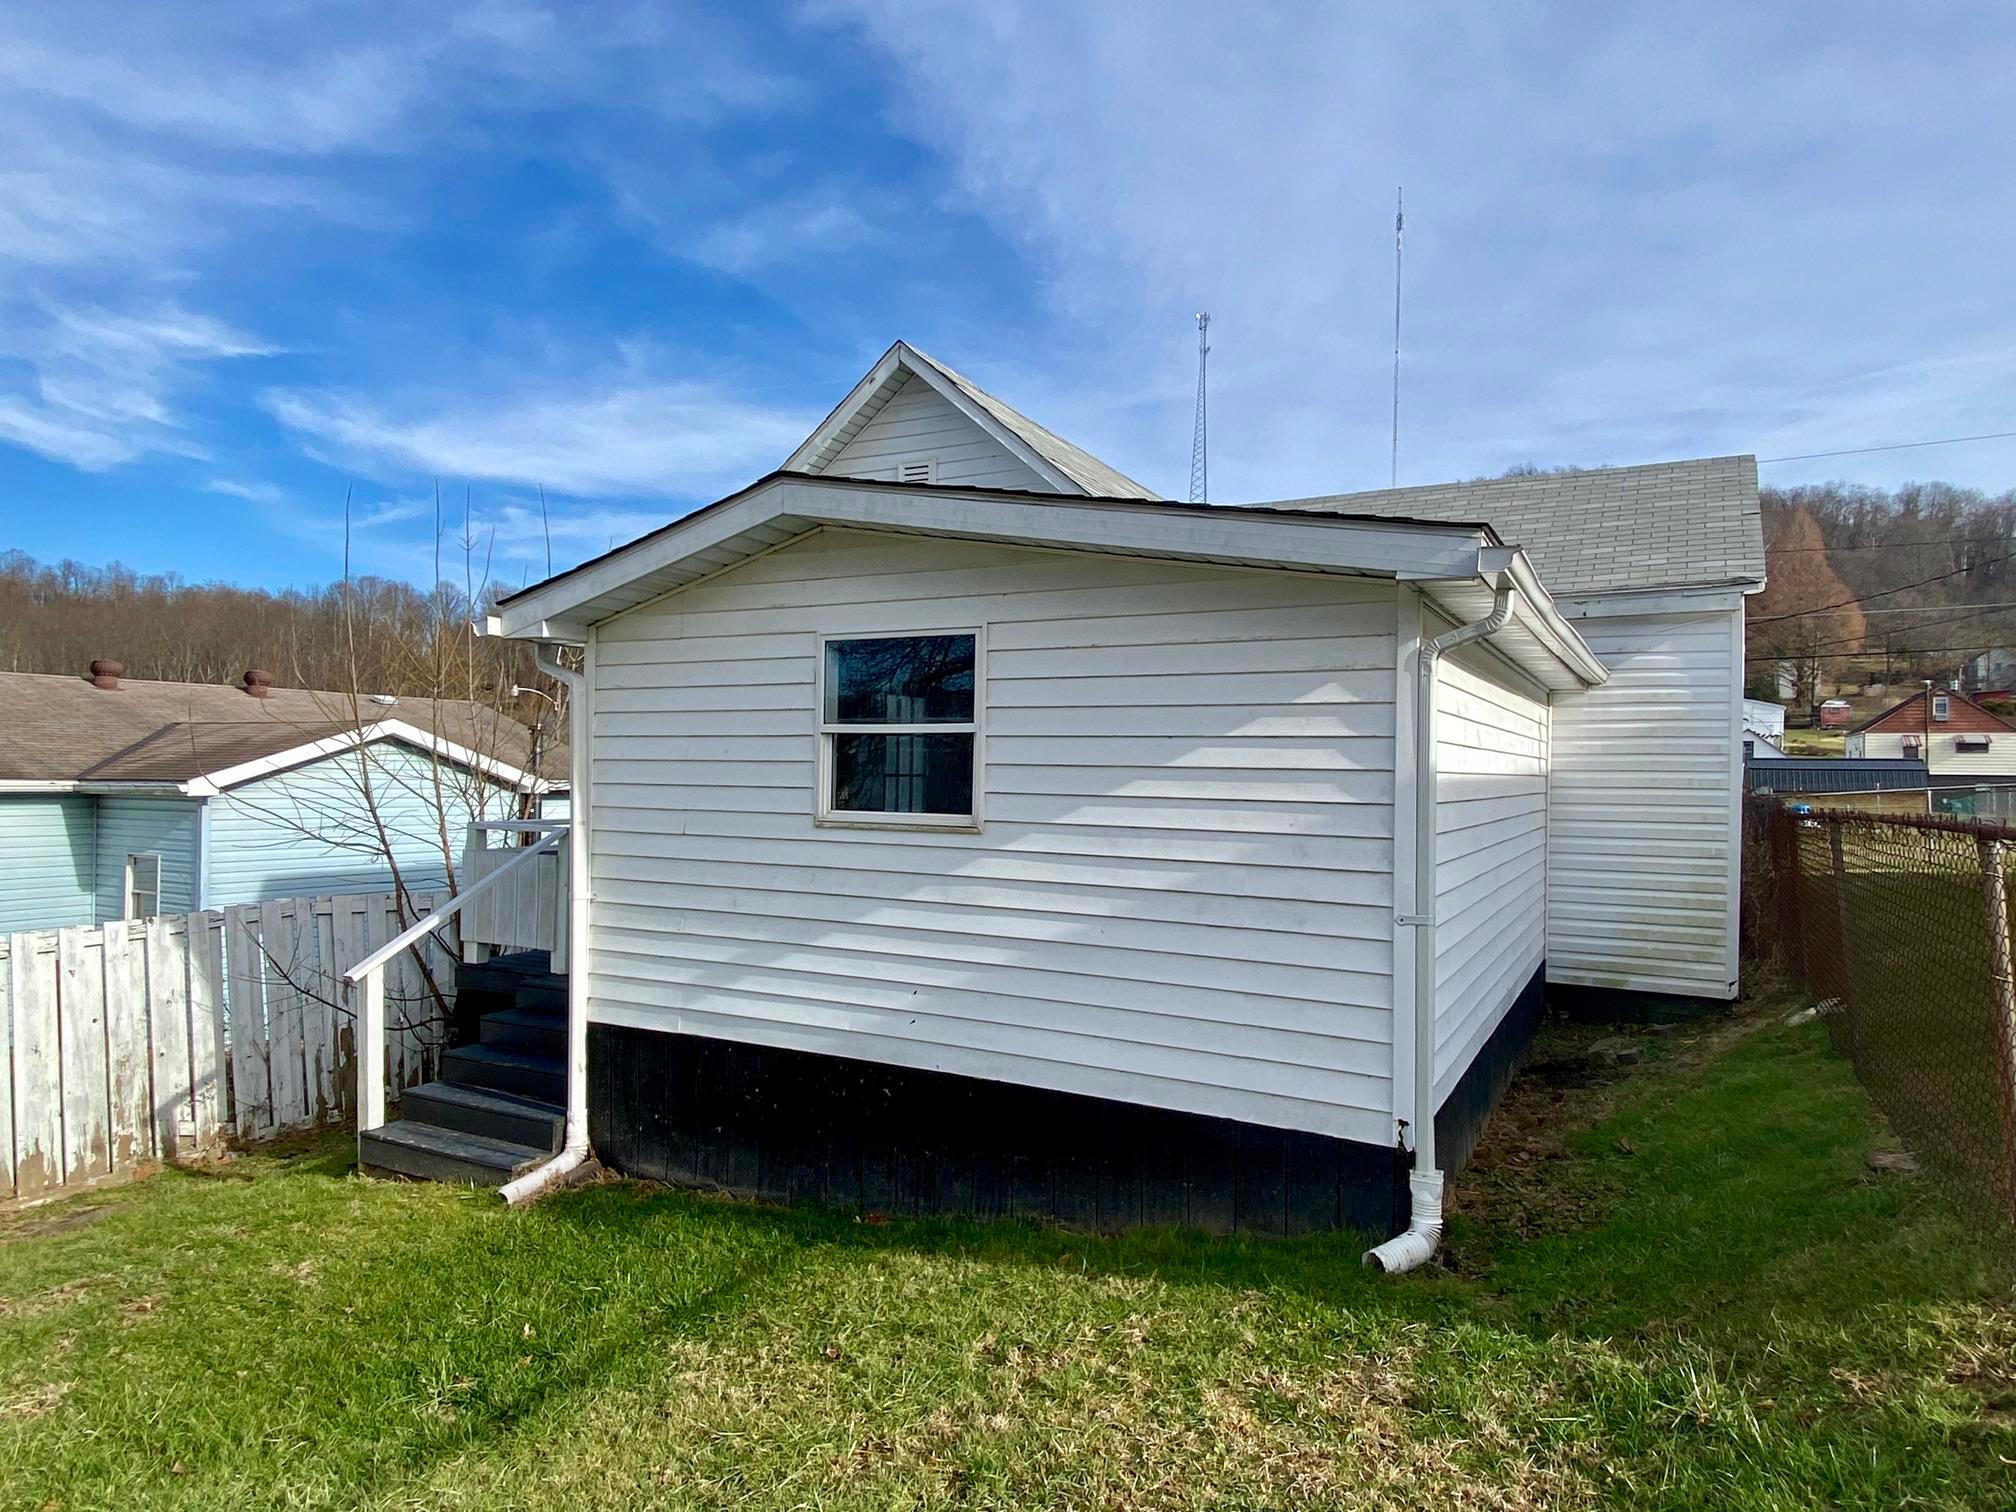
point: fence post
(2002, 977)
(1847, 952)
(1789, 880)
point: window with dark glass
(898, 727)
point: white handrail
(370, 974)
(517, 826)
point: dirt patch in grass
(1527, 1177)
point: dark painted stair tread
(501, 1069)
(411, 1148)
(494, 1115)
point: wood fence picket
(165, 1038)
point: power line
(1862, 451)
(1940, 577)
(1894, 545)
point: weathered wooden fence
(163, 1038)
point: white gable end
(919, 428)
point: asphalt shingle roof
(62, 729)
(1662, 525)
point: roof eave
(761, 516)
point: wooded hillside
(1920, 576)
(57, 617)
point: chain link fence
(1900, 928)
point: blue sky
(254, 255)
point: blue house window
(143, 885)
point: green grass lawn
(1683, 1289)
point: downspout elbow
(1415, 1245)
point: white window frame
(1942, 707)
(957, 824)
(132, 860)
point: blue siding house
(121, 798)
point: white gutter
(574, 1150)
(1419, 1240)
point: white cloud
(1632, 232)
(251, 490)
(787, 230)
(142, 152)
(102, 381)
(617, 437)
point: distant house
(1959, 741)
(1992, 670)
(120, 798)
(1763, 730)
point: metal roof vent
(384, 700)
(257, 683)
(106, 673)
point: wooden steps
(499, 1107)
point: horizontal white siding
(166, 827)
(1181, 893)
(48, 862)
(1646, 776)
(918, 422)
(310, 831)
(1940, 757)
(1491, 854)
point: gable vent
(919, 470)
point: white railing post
(563, 890)
(371, 1050)
(474, 949)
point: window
(899, 723)
(1914, 747)
(1942, 706)
(1971, 743)
(143, 885)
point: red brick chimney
(106, 674)
(258, 683)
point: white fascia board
(1268, 538)
(212, 783)
(30, 787)
(1705, 600)
(808, 449)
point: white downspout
(1418, 1241)
(574, 1151)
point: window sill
(937, 824)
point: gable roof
(169, 734)
(1611, 529)
(1067, 468)
(1914, 717)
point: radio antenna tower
(1399, 221)
(1199, 467)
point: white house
(1763, 730)
(1959, 741)
(948, 801)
